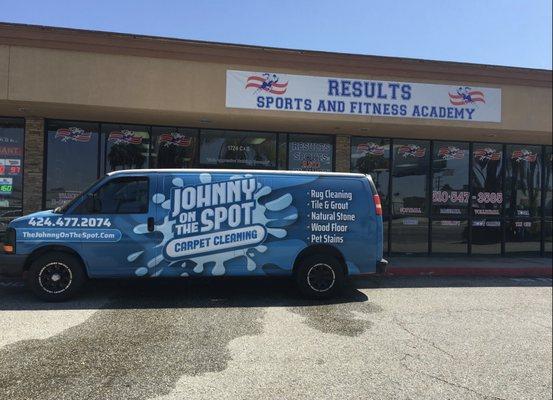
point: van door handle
(150, 224)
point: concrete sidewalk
(473, 266)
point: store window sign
(300, 93)
(524, 155)
(10, 166)
(487, 154)
(73, 134)
(310, 156)
(451, 153)
(125, 136)
(371, 148)
(175, 139)
(6, 185)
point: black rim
(321, 277)
(55, 277)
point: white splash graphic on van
(274, 215)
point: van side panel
(216, 223)
(256, 224)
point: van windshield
(64, 207)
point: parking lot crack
(423, 339)
(443, 380)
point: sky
(500, 32)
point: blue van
(317, 227)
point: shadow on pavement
(229, 292)
(174, 293)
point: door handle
(151, 224)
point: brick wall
(342, 153)
(33, 165)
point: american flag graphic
(451, 153)
(73, 134)
(175, 139)
(465, 96)
(487, 154)
(412, 150)
(268, 83)
(124, 136)
(370, 148)
(524, 155)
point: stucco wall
(83, 85)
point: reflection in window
(409, 177)
(372, 156)
(11, 170)
(71, 160)
(548, 182)
(282, 150)
(547, 233)
(487, 197)
(486, 237)
(410, 235)
(450, 178)
(523, 181)
(523, 236)
(127, 146)
(231, 149)
(174, 147)
(310, 152)
(450, 236)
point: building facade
(460, 153)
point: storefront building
(461, 153)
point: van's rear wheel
(320, 276)
(56, 276)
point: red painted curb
(471, 271)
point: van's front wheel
(55, 276)
(320, 276)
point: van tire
(56, 276)
(320, 276)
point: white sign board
(317, 94)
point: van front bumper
(12, 264)
(381, 266)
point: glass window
(174, 147)
(450, 236)
(523, 236)
(548, 182)
(409, 177)
(11, 169)
(127, 146)
(118, 196)
(372, 156)
(310, 152)
(71, 160)
(523, 181)
(547, 233)
(410, 235)
(450, 178)
(282, 151)
(234, 149)
(487, 179)
(486, 237)
(386, 233)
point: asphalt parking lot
(385, 338)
